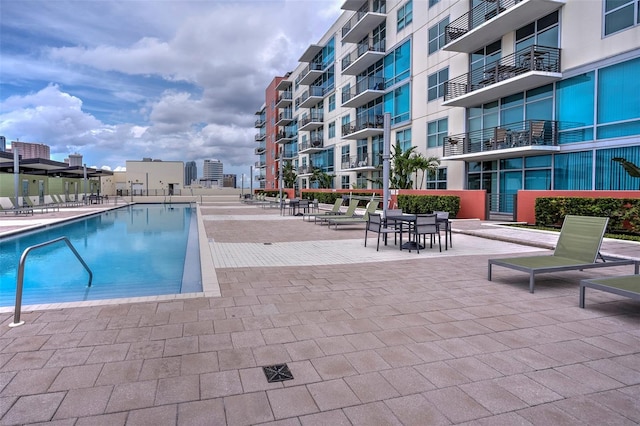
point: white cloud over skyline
(171, 80)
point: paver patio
(379, 338)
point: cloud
(175, 80)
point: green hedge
(623, 213)
(429, 203)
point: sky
(118, 80)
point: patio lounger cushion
(627, 286)
(324, 218)
(335, 210)
(577, 248)
(372, 206)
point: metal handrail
(20, 278)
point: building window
(398, 103)
(403, 138)
(332, 102)
(543, 32)
(405, 14)
(436, 84)
(618, 103)
(620, 15)
(436, 132)
(344, 182)
(345, 157)
(433, 2)
(436, 36)
(437, 179)
(332, 129)
(397, 65)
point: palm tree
(324, 180)
(426, 165)
(289, 175)
(402, 167)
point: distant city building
(3, 144)
(229, 181)
(74, 160)
(212, 170)
(31, 150)
(190, 172)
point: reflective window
(436, 84)
(620, 15)
(405, 14)
(436, 132)
(436, 35)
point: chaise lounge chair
(372, 206)
(577, 249)
(335, 211)
(351, 210)
(627, 286)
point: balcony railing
(369, 121)
(477, 16)
(513, 135)
(285, 135)
(259, 150)
(284, 99)
(359, 161)
(305, 170)
(368, 83)
(314, 143)
(260, 164)
(360, 15)
(259, 122)
(533, 58)
(314, 117)
(260, 137)
(367, 47)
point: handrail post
(20, 277)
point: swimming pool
(137, 250)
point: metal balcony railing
(259, 122)
(512, 135)
(315, 142)
(368, 121)
(533, 58)
(382, 8)
(285, 115)
(314, 117)
(477, 16)
(359, 161)
(367, 83)
(260, 136)
(369, 46)
(287, 95)
(303, 170)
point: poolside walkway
(371, 338)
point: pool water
(137, 250)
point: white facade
(487, 89)
(212, 170)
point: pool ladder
(20, 278)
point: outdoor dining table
(408, 220)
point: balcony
(290, 152)
(259, 150)
(315, 144)
(363, 22)
(311, 73)
(260, 122)
(525, 138)
(260, 164)
(260, 136)
(366, 90)
(311, 122)
(312, 96)
(286, 135)
(491, 19)
(284, 117)
(284, 84)
(311, 52)
(363, 127)
(362, 162)
(525, 69)
(362, 57)
(353, 4)
(305, 170)
(284, 99)
(260, 177)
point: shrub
(421, 204)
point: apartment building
(508, 94)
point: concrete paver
(370, 337)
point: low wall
(526, 210)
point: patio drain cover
(267, 244)
(277, 373)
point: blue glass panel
(618, 88)
(575, 101)
(511, 163)
(537, 161)
(572, 171)
(611, 175)
(537, 179)
(619, 130)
